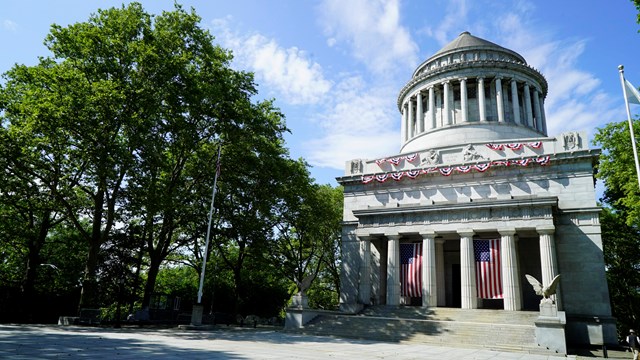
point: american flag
(488, 272)
(411, 269)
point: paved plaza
(74, 342)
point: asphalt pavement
(96, 343)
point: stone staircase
(490, 329)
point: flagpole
(206, 247)
(633, 138)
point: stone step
(491, 329)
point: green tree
(620, 220)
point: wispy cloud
(289, 71)
(360, 123)
(353, 118)
(371, 31)
(9, 25)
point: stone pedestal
(298, 313)
(300, 301)
(196, 315)
(550, 329)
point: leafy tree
(620, 220)
(621, 243)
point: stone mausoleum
(476, 163)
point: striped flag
(488, 271)
(411, 269)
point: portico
(433, 226)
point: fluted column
(432, 108)
(429, 288)
(420, 112)
(440, 283)
(499, 99)
(467, 270)
(536, 110)
(527, 105)
(463, 99)
(393, 270)
(365, 270)
(405, 121)
(412, 119)
(510, 273)
(548, 259)
(544, 116)
(515, 102)
(445, 103)
(481, 105)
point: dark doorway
(456, 283)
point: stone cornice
(528, 201)
(555, 159)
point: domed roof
(465, 42)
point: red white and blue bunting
(398, 159)
(514, 146)
(448, 170)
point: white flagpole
(633, 138)
(206, 247)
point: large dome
(471, 90)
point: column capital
(440, 241)
(428, 234)
(463, 79)
(480, 78)
(393, 236)
(466, 232)
(546, 229)
(507, 231)
(446, 82)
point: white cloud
(10, 25)
(373, 32)
(361, 123)
(456, 14)
(295, 78)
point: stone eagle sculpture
(542, 290)
(304, 284)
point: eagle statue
(542, 290)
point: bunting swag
(448, 170)
(397, 160)
(488, 270)
(514, 146)
(411, 269)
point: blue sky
(335, 67)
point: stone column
(544, 116)
(467, 270)
(432, 108)
(403, 125)
(499, 99)
(463, 99)
(510, 272)
(429, 287)
(527, 105)
(515, 102)
(393, 270)
(481, 105)
(536, 110)
(412, 119)
(440, 283)
(420, 112)
(548, 260)
(445, 104)
(365, 270)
